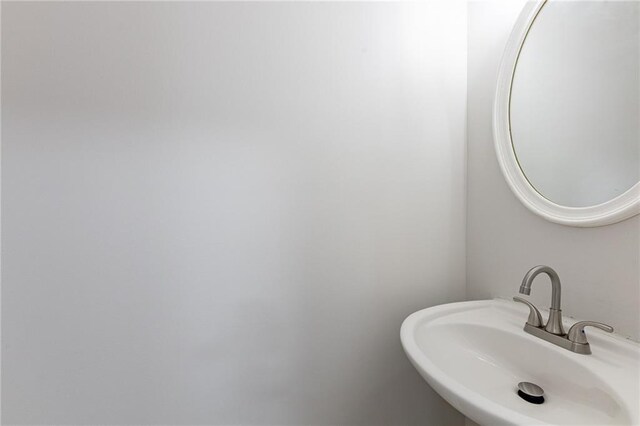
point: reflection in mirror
(575, 101)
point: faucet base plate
(558, 340)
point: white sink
(474, 354)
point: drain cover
(531, 392)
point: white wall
(220, 213)
(599, 267)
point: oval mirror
(567, 111)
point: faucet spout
(554, 324)
(525, 287)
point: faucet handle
(576, 332)
(535, 319)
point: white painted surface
(220, 213)
(599, 267)
(475, 354)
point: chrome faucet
(554, 324)
(553, 332)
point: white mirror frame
(615, 210)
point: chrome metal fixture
(554, 324)
(575, 340)
(531, 392)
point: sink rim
(474, 405)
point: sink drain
(531, 392)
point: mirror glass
(575, 101)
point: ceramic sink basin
(474, 354)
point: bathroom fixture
(531, 392)
(554, 324)
(565, 130)
(474, 354)
(553, 332)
